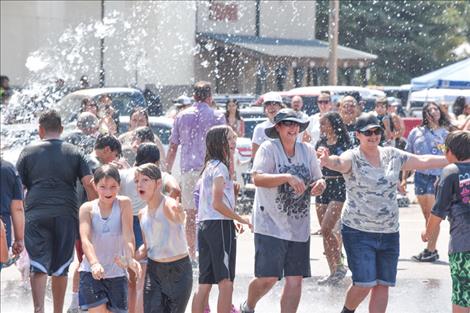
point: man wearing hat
(286, 173)
(272, 103)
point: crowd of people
(138, 232)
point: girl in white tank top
(168, 280)
(108, 244)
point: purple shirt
(189, 131)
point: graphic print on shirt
(287, 201)
(464, 186)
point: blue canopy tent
(454, 76)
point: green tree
(409, 37)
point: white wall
(35, 27)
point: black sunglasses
(290, 123)
(323, 101)
(371, 132)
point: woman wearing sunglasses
(370, 217)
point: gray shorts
(276, 257)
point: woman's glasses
(290, 123)
(371, 132)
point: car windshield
(123, 103)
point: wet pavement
(421, 287)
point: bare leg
(59, 286)
(224, 302)
(199, 298)
(139, 304)
(191, 232)
(99, 309)
(38, 289)
(330, 240)
(427, 202)
(291, 294)
(258, 288)
(378, 299)
(355, 296)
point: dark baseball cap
(286, 115)
(367, 121)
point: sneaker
(324, 280)
(244, 309)
(426, 256)
(338, 276)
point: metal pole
(257, 17)
(333, 42)
(102, 74)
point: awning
(292, 48)
(454, 76)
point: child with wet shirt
(453, 202)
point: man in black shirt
(49, 170)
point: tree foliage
(409, 37)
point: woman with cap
(286, 174)
(370, 214)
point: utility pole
(102, 77)
(333, 22)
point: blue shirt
(11, 187)
(423, 140)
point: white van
(417, 99)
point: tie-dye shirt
(371, 192)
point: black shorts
(276, 257)
(50, 242)
(112, 291)
(335, 191)
(217, 246)
(168, 286)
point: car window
(163, 132)
(124, 102)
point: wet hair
(107, 140)
(459, 106)
(150, 170)
(339, 128)
(202, 91)
(147, 153)
(106, 171)
(50, 120)
(217, 145)
(144, 134)
(139, 110)
(458, 142)
(87, 120)
(237, 112)
(443, 120)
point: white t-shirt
(313, 128)
(279, 212)
(371, 192)
(258, 133)
(129, 189)
(206, 211)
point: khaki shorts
(188, 182)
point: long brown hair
(217, 145)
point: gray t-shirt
(453, 201)
(280, 212)
(371, 192)
(206, 211)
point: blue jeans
(372, 257)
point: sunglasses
(323, 101)
(371, 132)
(290, 123)
(271, 103)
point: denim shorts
(424, 184)
(112, 291)
(372, 257)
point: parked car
(417, 99)
(243, 100)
